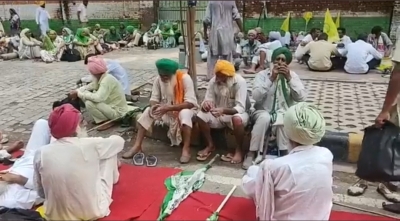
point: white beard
(168, 89)
(81, 132)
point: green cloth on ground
(126, 121)
(167, 66)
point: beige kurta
(235, 98)
(76, 176)
(107, 102)
(159, 94)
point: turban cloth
(225, 67)
(41, 3)
(258, 30)
(96, 65)
(167, 66)
(304, 124)
(252, 32)
(282, 50)
(130, 29)
(63, 121)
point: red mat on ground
(140, 191)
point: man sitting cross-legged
(224, 105)
(104, 97)
(75, 174)
(274, 91)
(173, 101)
(17, 188)
(297, 186)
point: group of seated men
(316, 51)
(357, 57)
(282, 188)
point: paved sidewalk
(28, 88)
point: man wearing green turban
(275, 90)
(302, 179)
(152, 37)
(173, 102)
(133, 36)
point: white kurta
(81, 172)
(297, 186)
(24, 197)
(42, 19)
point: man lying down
(297, 186)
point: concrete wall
(356, 16)
(106, 13)
(395, 19)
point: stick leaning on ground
(365, 210)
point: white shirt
(358, 55)
(83, 14)
(68, 175)
(116, 70)
(297, 186)
(269, 47)
(42, 16)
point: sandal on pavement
(203, 157)
(358, 188)
(151, 161)
(248, 161)
(387, 194)
(184, 159)
(3, 139)
(138, 159)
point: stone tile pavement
(28, 89)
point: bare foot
(131, 152)
(237, 158)
(202, 155)
(15, 147)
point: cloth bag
(7, 214)
(379, 160)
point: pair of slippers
(140, 159)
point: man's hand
(284, 70)
(9, 177)
(382, 117)
(73, 94)
(387, 53)
(303, 44)
(161, 110)
(217, 112)
(207, 106)
(274, 73)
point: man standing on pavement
(82, 13)
(390, 112)
(220, 16)
(42, 18)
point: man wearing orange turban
(42, 18)
(78, 169)
(224, 105)
(104, 97)
(173, 102)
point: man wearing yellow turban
(224, 105)
(297, 186)
(42, 18)
(274, 91)
(173, 102)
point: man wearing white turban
(285, 188)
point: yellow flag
(285, 23)
(337, 22)
(307, 16)
(330, 27)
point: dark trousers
(374, 63)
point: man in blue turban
(274, 91)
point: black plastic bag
(379, 160)
(7, 214)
